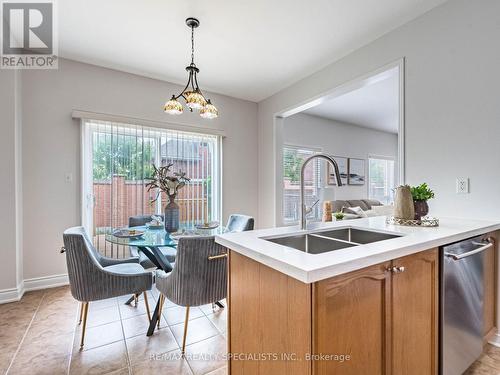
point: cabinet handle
(396, 269)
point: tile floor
(40, 335)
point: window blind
(293, 158)
(381, 181)
(119, 161)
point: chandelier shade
(194, 99)
(209, 111)
(192, 95)
(173, 107)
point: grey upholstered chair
(169, 252)
(240, 223)
(199, 276)
(93, 277)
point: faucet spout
(303, 208)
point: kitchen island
(367, 307)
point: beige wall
(7, 185)
(51, 148)
(452, 111)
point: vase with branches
(168, 182)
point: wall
(51, 148)
(452, 109)
(340, 139)
(10, 186)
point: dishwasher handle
(483, 247)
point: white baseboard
(15, 294)
(494, 337)
(11, 295)
(46, 282)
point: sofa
(365, 204)
(370, 207)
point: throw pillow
(354, 210)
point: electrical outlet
(462, 185)
(68, 177)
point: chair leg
(162, 301)
(185, 331)
(81, 313)
(136, 300)
(147, 305)
(85, 306)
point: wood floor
(40, 335)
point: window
(118, 160)
(381, 179)
(293, 158)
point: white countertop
(310, 268)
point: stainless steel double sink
(331, 239)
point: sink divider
(334, 239)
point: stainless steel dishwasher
(462, 291)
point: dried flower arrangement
(167, 181)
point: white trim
(86, 192)
(401, 157)
(11, 295)
(78, 114)
(493, 337)
(381, 157)
(46, 282)
(37, 283)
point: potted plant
(170, 183)
(338, 216)
(421, 194)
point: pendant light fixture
(192, 94)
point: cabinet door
(352, 318)
(269, 320)
(489, 285)
(415, 314)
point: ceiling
(374, 106)
(245, 49)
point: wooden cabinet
(385, 317)
(382, 319)
(489, 286)
(269, 320)
(351, 317)
(415, 308)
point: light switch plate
(462, 185)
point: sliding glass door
(118, 161)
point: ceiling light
(173, 107)
(192, 94)
(209, 111)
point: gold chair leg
(147, 305)
(185, 331)
(162, 300)
(81, 313)
(85, 307)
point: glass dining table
(149, 243)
